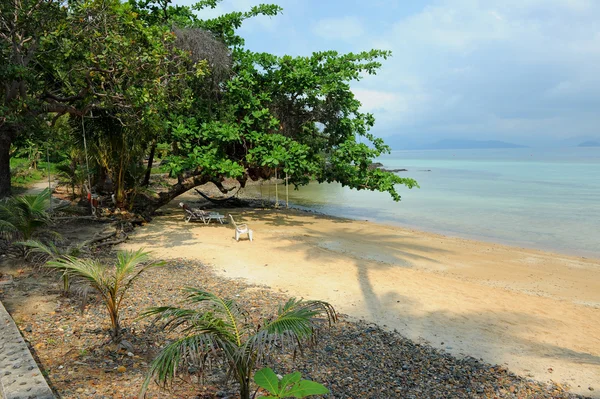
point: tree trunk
(245, 390)
(147, 205)
(5, 141)
(150, 162)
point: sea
(546, 199)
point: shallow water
(536, 198)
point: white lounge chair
(240, 229)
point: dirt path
(38, 187)
(536, 312)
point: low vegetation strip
(20, 376)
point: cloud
(345, 28)
(523, 70)
(499, 68)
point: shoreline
(535, 312)
(441, 232)
(452, 234)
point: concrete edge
(20, 376)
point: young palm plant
(23, 217)
(220, 329)
(112, 283)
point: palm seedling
(23, 217)
(219, 329)
(112, 283)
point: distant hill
(589, 144)
(450, 144)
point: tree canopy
(145, 74)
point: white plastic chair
(241, 229)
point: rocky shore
(353, 358)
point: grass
(157, 170)
(22, 177)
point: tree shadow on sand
(498, 335)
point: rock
(121, 369)
(375, 165)
(125, 346)
(394, 170)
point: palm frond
(91, 271)
(186, 350)
(298, 309)
(7, 229)
(129, 267)
(39, 247)
(233, 314)
(295, 322)
(128, 260)
(191, 321)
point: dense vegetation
(126, 82)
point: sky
(523, 71)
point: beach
(536, 313)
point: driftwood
(113, 242)
(99, 238)
(94, 218)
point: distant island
(450, 144)
(589, 144)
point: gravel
(353, 359)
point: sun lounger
(216, 216)
(198, 214)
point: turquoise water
(534, 198)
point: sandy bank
(536, 312)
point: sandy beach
(535, 312)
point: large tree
(23, 24)
(288, 115)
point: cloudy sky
(525, 71)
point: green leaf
(289, 379)
(305, 388)
(267, 379)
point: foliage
(112, 283)
(124, 83)
(71, 172)
(290, 386)
(22, 26)
(45, 252)
(220, 328)
(25, 216)
(135, 76)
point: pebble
(353, 359)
